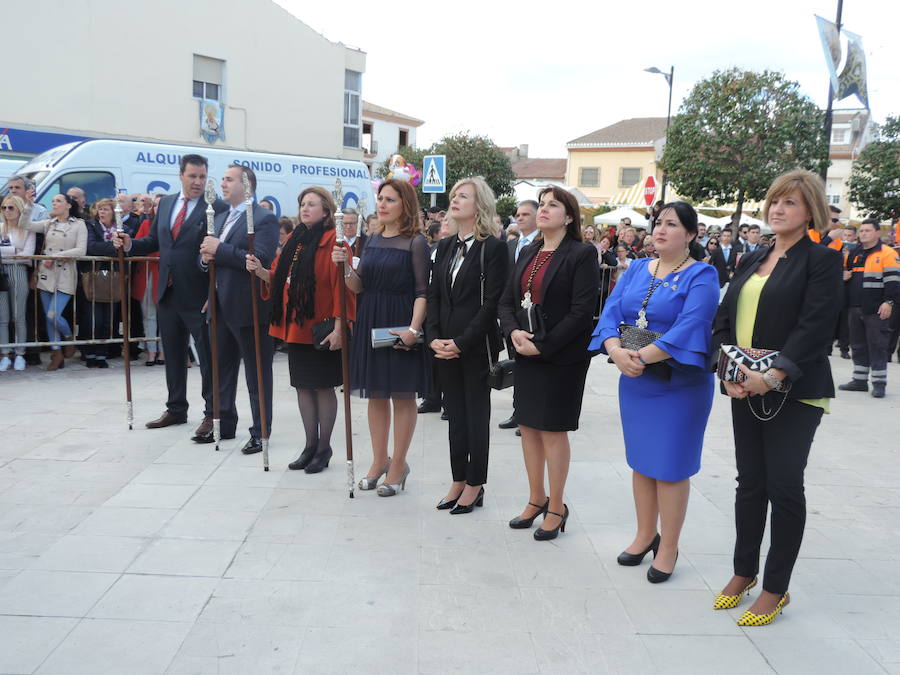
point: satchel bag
(101, 286)
(320, 331)
(732, 357)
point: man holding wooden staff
(234, 335)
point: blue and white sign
(434, 174)
(212, 121)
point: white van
(99, 166)
(8, 167)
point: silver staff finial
(210, 212)
(117, 209)
(248, 193)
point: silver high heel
(388, 490)
(370, 483)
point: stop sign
(649, 190)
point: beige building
(610, 165)
(143, 70)
(851, 131)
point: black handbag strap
(487, 342)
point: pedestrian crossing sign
(434, 174)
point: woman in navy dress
(393, 281)
(669, 379)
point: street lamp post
(669, 77)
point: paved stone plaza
(141, 552)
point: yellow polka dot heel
(731, 601)
(751, 619)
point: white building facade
(145, 70)
(385, 131)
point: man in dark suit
(176, 232)
(526, 220)
(234, 329)
(355, 240)
(724, 258)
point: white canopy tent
(745, 220)
(613, 217)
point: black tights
(318, 409)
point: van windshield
(96, 185)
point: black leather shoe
(654, 576)
(845, 354)
(304, 459)
(541, 534)
(468, 508)
(518, 432)
(518, 523)
(854, 385)
(508, 423)
(320, 461)
(427, 406)
(252, 446)
(878, 389)
(209, 438)
(445, 504)
(633, 559)
(444, 415)
(91, 363)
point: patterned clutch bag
(634, 337)
(731, 357)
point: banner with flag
(831, 45)
(852, 80)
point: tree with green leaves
(467, 155)
(875, 179)
(736, 131)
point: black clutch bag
(532, 320)
(320, 331)
(635, 338)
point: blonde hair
(16, 201)
(810, 187)
(485, 206)
(100, 203)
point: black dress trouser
(467, 400)
(771, 459)
(235, 345)
(176, 326)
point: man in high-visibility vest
(874, 276)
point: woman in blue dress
(667, 381)
(392, 281)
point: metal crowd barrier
(77, 304)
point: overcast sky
(543, 73)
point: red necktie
(179, 220)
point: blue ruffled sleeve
(612, 316)
(689, 339)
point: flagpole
(828, 110)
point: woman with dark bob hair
(675, 297)
(783, 299)
(546, 312)
(304, 283)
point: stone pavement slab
(141, 552)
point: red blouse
(327, 301)
(538, 282)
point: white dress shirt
(179, 204)
(524, 240)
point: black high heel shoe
(541, 534)
(445, 504)
(633, 559)
(519, 523)
(468, 508)
(320, 461)
(654, 576)
(304, 459)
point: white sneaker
(5, 363)
(19, 363)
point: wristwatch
(773, 382)
(415, 332)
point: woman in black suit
(780, 298)
(467, 279)
(557, 277)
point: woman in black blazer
(780, 298)
(557, 276)
(467, 279)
